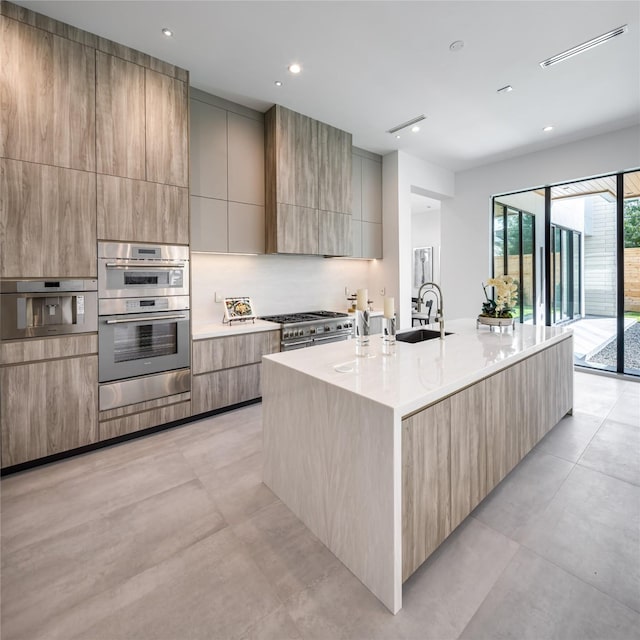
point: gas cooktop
(307, 316)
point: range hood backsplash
(276, 283)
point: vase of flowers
(500, 310)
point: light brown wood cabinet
(307, 169)
(166, 129)
(143, 415)
(48, 407)
(47, 221)
(456, 451)
(334, 169)
(120, 117)
(141, 211)
(426, 484)
(142, 118)
(48, 97)
(226, 370)
(468, 451)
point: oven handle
(148, 319)
(334, 337)
(295, 344)
(144, 265)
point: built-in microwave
(137, 269)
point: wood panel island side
(383, 457)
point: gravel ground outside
(607, 356)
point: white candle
(362, 300)
(389, 307)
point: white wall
(425, 232)
(466, 218)
(400, 174)
(275, 283)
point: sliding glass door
(565, 274)
(591, 270)
(514, 254)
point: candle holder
(388, 335)
(362, 331)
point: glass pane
(138, 341)
(577, 305)
(498, 239)
(527, 291)
(513, 244)
(589, 274)
(632, 273)
(557, 275)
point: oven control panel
(317, 330)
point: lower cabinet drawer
(143, 420)
(219, 389)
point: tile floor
(173, 537)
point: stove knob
(339, 326)
(327, 328)
(312, 330)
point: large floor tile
(276, 626)
(210, 590)
(627, 407)
(438, 600)
(595, 394)
(237, 488)
(289, 555)
(213, 447)
(39, 514)
(592, 529)
(615, 450)
(571, 436)
(535, 600)
(523, 494)
(46, 578)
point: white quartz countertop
(220, 330)
(420, 374)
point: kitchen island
(383, 457)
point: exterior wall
(600, 258)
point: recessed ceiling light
(457, 45)
(547, 128)
(295, 68)
(585, 46)
(167, 32)
(397, 136)
(406, 124)
(278, 83)
(415, 128)
(506, 89)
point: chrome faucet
(437, 292)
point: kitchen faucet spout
(432, 287)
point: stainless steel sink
(419, 335)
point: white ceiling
(368, 66)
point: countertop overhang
(421, 374)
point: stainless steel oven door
(139, 344)
(330, 338)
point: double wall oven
(143, 324)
